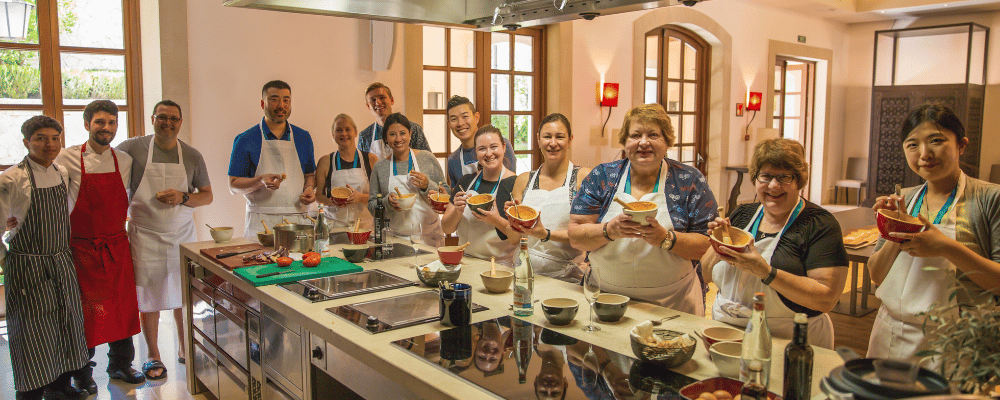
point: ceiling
(854, 11)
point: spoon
(210, 227)
(462, 247)
(624, 204)
(664, 319)
(266, 231)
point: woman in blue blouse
(654, 262)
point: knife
(230, 254)
(273, 274)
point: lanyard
(479, 179)
(394, 173)
(944, 209)
(628, 180)
(354, 164)
(788, 222)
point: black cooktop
(516, 359)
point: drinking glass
(592, 289)
(590, 368)
(416, 235)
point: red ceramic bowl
(715, 334)
(449, 256)
(339, 195)
(522, 216)
(439, 201)
(710, 385)
(358, 237)
(894, 221)
(740, 239)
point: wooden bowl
(481, 202)
(640, 210)
(741, 240)
(339, 195)
(895, 221)
(522, 216)
(439, 201)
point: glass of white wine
(592, 289)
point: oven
(282, 350)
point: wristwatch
(186, 197)
(668, 242)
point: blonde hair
(343, 117)
(648, 114)
(782, 154)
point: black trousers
(120, 355)
(57, 385)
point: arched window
(676, 77)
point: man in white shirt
(44, 318)
(98, 176)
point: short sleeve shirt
(194, 163)
(246, 149)
(455, 163)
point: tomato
(310, 254)
(284, 261)
(311, 261)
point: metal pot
(860, 378)
(297, 238)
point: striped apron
(44, 317)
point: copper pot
(297, 238)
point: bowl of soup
(734, 239)
(406, 201)
(482, 202)
(889, 221)
(439, 201)
(639, 210)
(522, 216)
(339, 195)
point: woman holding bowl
(549, 190)
(410, 172)
(797, 256)
(486, 231)
(652, 262)
(346, 167)
(961, 218)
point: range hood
(484, 15)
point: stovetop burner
(340, 286)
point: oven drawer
(233, 380)
(202, 312)
(283, 351)
(206, 367)
(230, 328)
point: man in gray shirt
(169, 179)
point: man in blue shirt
(463, 121)
(378, 99)
(272, 164)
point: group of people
(77, 275)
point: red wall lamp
(607, 96)
(753, 104)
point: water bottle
(386, 234)
(524, 283)
(322, 233)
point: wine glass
(590, 368)
(416, 235)
(592, 289)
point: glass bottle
(753, 389)
(386, 234)
(799, 362)
(757, 342)
(524, 283)
(321, 232)
(523, 333)
(379, 220)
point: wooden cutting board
(236, 261)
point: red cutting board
(236, 261)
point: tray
(236, 261)
(328, 266)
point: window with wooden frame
(500, 72)
(676, 77)
(76, 51)
(794, 87)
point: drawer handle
(318, 353)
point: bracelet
(673, 240)
(606, 236)
(770, 276)
(548, 235)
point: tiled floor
(173, 387)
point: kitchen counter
(404, 371)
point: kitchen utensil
(715, 334)
(522, 217)
(725, 230)
(450, 255)
(265, 239)
(669, 357)
(560, 311)
(398, 193)
(210, 227)
(860, 377)
(456, 305)
(297, 238)
(221, 234)
(610, 307)
(498, 283)
(703, 340)
(266, 230)
(658, 322)
(739, 240)
(889, 221)
(623, 204)
(482, 202)
(640, 210)
(230, 254)
(462, 247)
(726, 356)
(273, 274)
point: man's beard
(101, 141)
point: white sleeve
(6, 198)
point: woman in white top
(346, 167)
(550, 190)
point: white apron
(469, 168)
(633, 268)
(553, 259)
(378, 146)
(402, 222)
(358, 179)
(155, 232)
(734, 301)
(272, 206)
(909, 289)
(482, 237)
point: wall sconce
(607, 96)
(14, 17)
(753, 101)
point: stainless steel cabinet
(283, 351)
(206, 364)
(230, 327)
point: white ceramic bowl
(648, 209)
(406, 202)
(221, 234)
(726, 356)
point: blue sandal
(151, 365)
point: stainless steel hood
(486, 15)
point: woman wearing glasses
(797, 258)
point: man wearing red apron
(98, 177)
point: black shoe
(68, 393)
(127, 375)
(83, 380)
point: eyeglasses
(161, 118)
(783, 179)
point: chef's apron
(634, 268)
(553, 259)
(44, 319)
(102, 256)
(734, 301)
(481, 236)
(156, 231)
(357, 177)
(402, 222)
(272, 206)
(909, 289)
(468, 166)
(378, 147)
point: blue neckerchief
(628, 180)
(760, 216)
(944, 209)
(355, 164)
(409, 168)
(479, 179)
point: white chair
(856, 178)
